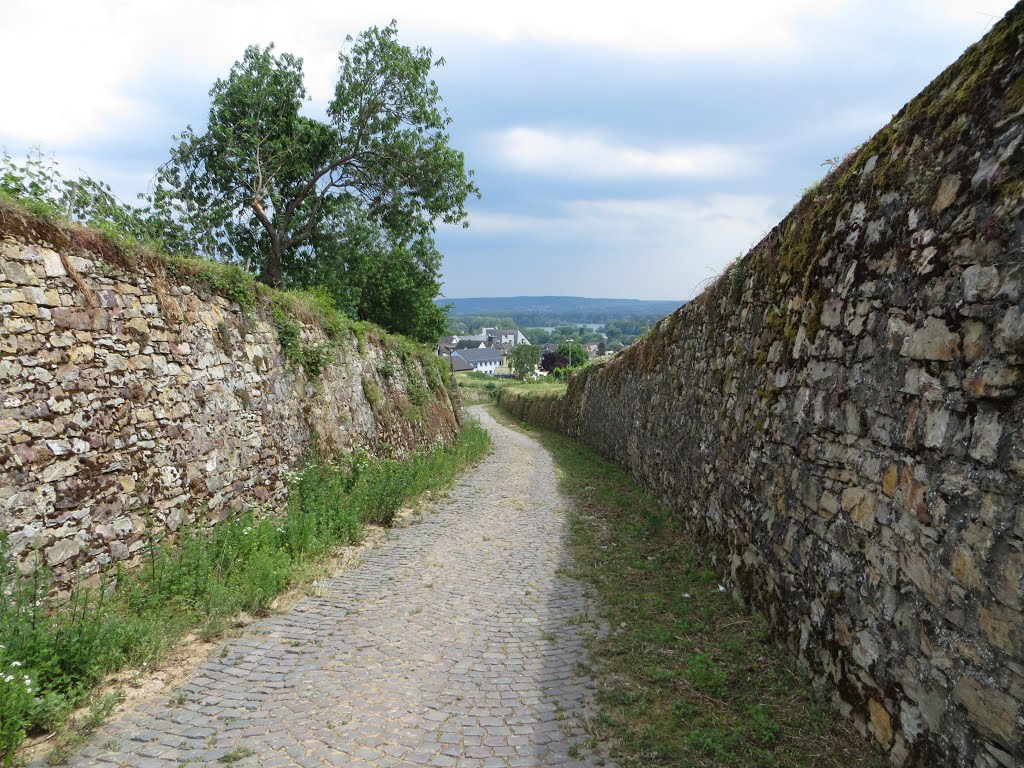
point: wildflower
(15, 663)
(721, 588)
(8, 678)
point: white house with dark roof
(481, 360)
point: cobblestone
(456, 643)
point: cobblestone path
(455, 643)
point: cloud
(592, 156)
(72, 63)
(643, 248)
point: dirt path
(455, 644)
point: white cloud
(669, 245)
(592, 156)
(71, 63)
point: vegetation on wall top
(41, 221)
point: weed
(77, 732)
(311, 358)
(236, 754)
(227, 280)
(372, 392)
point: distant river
(591, 326)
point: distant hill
(566, 308)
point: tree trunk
(272, 268)
(271, 274)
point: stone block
(61, 551)
(980, 283)
(50, 261)
(992, 379)
(966, 567)
(1004, 628)
(881, 723)
(831, 313)
(924, 577)
(80, 319)
(1010, 331)
(19, 274)
(890, 480)
(994, 712)
(1009, 585)
(860, 503)
(933, 341)
(946, 195)
(987, 431)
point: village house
(488, 338)
(477, 360)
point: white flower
(721, 588)
(15, 663)
(686, 595)
(8, 678)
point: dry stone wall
(840, 418)
(132, 400)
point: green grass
(204, 578)
(479, 387)
(239, 753)
(686, 676)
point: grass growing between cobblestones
(687, 677)
(52, 656)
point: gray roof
(478, 355)
(458, 364)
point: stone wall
(840, 419)
(133, 399)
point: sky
(631, 152)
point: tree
(575, 355)
(297, 200)
(524, 359)
(549, 361)
(537, 335)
